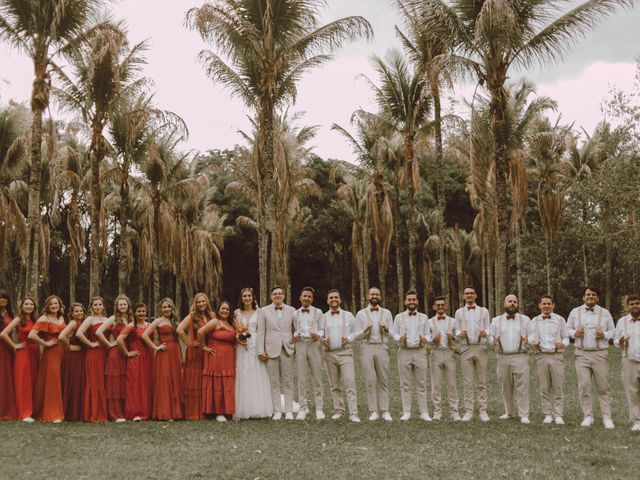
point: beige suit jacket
(275, 333)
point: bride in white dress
(253, 392)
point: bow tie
(590, 309)
(412, 314)
(374, 309)
(278, 308)
(473, 307)
(305, 310)
(546, 317)
(635, 319)
(441, 318)
(336, 312)
(511, 317)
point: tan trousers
(412, 366)
(280, 370)
(631, 382)
(593, 364)
(309, 354)
(550, 368)
(341, 370)
(443, 366)
(375, 363)
(473, 362)
(513, 378)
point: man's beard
(412, 307)
(374, 301)
(511, 310)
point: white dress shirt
(412, 327)
(473, 320)
(338, 326)
(441, 326)
(630, 329)
(308, 322)
(547, 330)
(509, 332)
(590, 322)
(375, 317)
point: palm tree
(102, 71)
(44, 30)
(264, 47)
(492, 38)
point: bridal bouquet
(243, 334)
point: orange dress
(219, 374)
(25, 371)
(116, 377)
(192, 376)
(7, 396)
(167, 377)
(137, 402)
(73, 381)
(47, 399)
(95, 396)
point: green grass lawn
(269, 450)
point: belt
(514, 353)
(592, 349)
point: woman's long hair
(174, 316)
(118, 317)
(47, 304)
(4, 294)
(199, 319)
(135, 308)
(104, 307)
(23, 316)
(229, 319)
(72, 307)
(254, 303)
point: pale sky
(330, 94)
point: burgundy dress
(137, 401)
(219, 374)
(95, 396)
(192, 376)
(166, 379)
(73, 378)
(47, 398)
(7, 395)
(116, 377)
(25, 370)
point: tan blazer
(275, 333)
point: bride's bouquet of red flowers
(243, 334)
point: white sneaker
(374, 416)
(320, 415)
(57, 421)
(120, 420)
(608, 423)
(455, 417)
(288, 416)
(525, 420)
(484, 416)
(137, 419)
(336, 416)
(302, 414)
(425, 417)
(405, 417)
(354, 418)
(587, 422)
(277, 416)
(437, 416)
(547, 419)
(467, 416)
(506, 416)
(559, 420)
(28, 420)
(635, 427)
(386, 416)
(221, 418)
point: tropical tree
(264, 48)
(44, 30)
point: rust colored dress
(25, 370)
(116, 377)
(137, 402)
(219, 374)
(47, 399)
(192, 376)
(167, 377)
(95, 396)
(73, 378)
(7, 396)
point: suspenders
(598, 325)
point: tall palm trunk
(123, 262)
(399, 256)
(547, 254)
(491, 305)
(39, 103)
(412, 226)
(440, 192)
(98, 148)
(608, 272)
(519, 261)
(263, 264)
(484, 276)
(155, 297)
(73, 222)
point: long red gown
(116, 377)
(73, 378)
(95, 395)
(25, 371)
(7, 395)
(137, 401)
(219, 374)
(47, 399)
(192, 376)
(167, 377)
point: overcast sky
(330, 94)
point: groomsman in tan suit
(472, 324)
(374, 321)
(592, 327)
(508, 333)
(628, 338)
(275, 346)
(340, 332)
(307, 322)
(549, 338)
(411, 330)
(443, 360)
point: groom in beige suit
(275, 346)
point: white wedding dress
(253, 391)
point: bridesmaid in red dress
(116, 366)
(94, 408)
(166, 379)
(137, 402)
(192, 374)
(7, 395)
(47, 398)
(73, 366)
(26, 360)
(219, 372)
